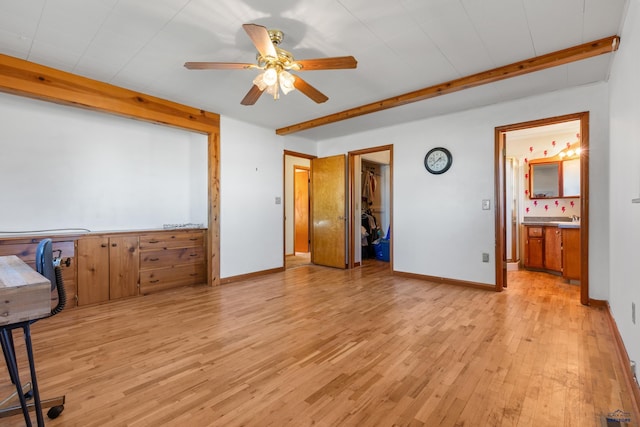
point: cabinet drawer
(180, 275)
(27, 251)
(171, 240)
(534, 231)
(168, 257)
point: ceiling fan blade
(259, 35)
(309, 90)
(335, 63)
(216, 65)
(252, 96)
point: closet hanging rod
(372, 170)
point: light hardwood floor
(298, 259)
(326, 347)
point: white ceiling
(401, 46)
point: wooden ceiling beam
(538, 63)
(24, 78)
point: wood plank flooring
(298, 259)
(328, 347)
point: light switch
(486, 204)
(278, 200)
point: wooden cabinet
(101, 267)
(107, 268)
(172, 258)
(552, 249)
(63, 248)
(533, 247)
(571, 253)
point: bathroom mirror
(554, 179)
(544, 179)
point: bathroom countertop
(552, 221)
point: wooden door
(328, 211)
(93, 270)
(534, 252)
(123, 266)
(552, 249)
(571, 253)
(301, 209)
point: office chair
(49, 267)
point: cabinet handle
(154, 259)
(154, 241)
(193, 255)
(113, 245)
(193, 274)
(193, 238)
(154, 281)
(104, 245)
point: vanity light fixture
(570, 152)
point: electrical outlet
(485, 257)
(486, 204)
(278, 200)
(633, 312)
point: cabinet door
(571, 253)
(123, 267)
(552, 249)
(93, 270)
(533, 252)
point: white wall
(439, 228)
(251, 177)
(64, 167)
(625, 182)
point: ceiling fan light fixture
(270, 76)
(286, 80)
(259, 81)
(272, 80)
(273, 91)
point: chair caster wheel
(55, 411)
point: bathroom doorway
(528, 203)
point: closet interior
(374, 211)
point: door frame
(500, 196)
(352, 203)
(286, 153)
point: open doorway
(542, 204)
(301, 236)
(371, 205)
(297, 247)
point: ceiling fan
(276, 64)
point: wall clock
(438, 160)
